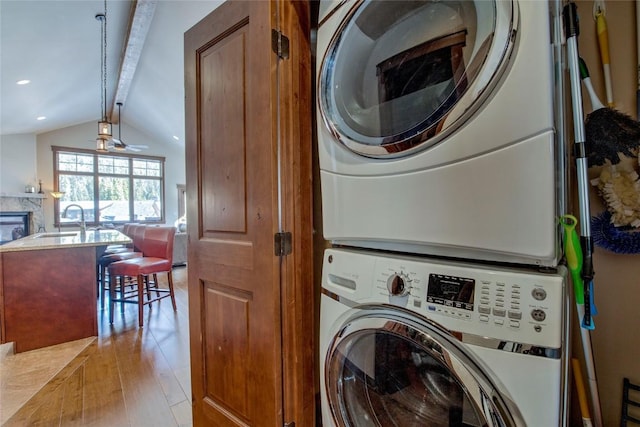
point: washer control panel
(508, 304)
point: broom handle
(570, 16)
(579, 143)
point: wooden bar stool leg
(148, 289)
(157, 284)
(112, 288)
(123, 290)
(140, 300)
(173, 297)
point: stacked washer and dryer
(440, 138)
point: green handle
(584, 71)
(573, 253)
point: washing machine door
(399, 76)
(389, 367)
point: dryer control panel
(507, 304)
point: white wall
(83, 136)
(17, 163)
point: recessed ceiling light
(176, 138)
(41, 118)
(23, 82)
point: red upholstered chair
(136, 233)
(157, 249)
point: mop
(585, 276)
(609, 132)
(617, 230)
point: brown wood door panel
(226, 319)
(223, 159)
(230, 175)
(251, 312)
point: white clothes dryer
(439, 127)
(408, 341)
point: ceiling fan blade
(138, 145)
(119, 146)
(131, 148)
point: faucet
(83, 225)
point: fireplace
(14, 225)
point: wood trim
(298, 297)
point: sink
(56, 235)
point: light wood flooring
(142, 375)
(131, 376)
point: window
(107, 187)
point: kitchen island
(48, 287)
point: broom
(608, 132)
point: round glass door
(399, 76)
(391, 368)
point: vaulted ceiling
(56, 44)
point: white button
(484, 318)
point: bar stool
(110, 250)
(157, 249)
(137, 235)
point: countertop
(66, 239)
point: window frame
(96, 174)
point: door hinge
(282, 243)
(280, 44)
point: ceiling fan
(117, 143)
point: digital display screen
(456, 292)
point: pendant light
(104, 126)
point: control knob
(398, 284)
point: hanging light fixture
(104, 126)
(101, 145)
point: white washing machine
(408, 341)
(439, 127)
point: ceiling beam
(139, 25)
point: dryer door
(388, 367)
(399, 76)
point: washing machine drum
(389, 367)
(399, 76)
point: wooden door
(248, 154)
